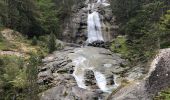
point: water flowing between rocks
(89, 58)
(92, 73)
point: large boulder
(157, 79)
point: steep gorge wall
(76, 27)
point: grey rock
(45, 77)
(157, 80)
(140, 85)
(90, 79)
(59, 67)
(110, 79)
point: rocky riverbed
(84, 73)
(90, 70)
(92, 73)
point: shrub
(52, 43)
(119, 46)
(34, 41)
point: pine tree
(164, 32)
(3, 12)
(52, 43)
(20, 15)
(32, 73)
(49, 16)
(34, 40)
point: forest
(144, 28)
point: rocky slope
(85, 73)
(92, 73)
(157, 79)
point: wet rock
(88, 61)
(97, 44)
(101, 44)
(60, 66)
(110, 66)
(110, 79)
(90, 79)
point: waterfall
(90, 58)
(82, 58)
(94, 28)
(94, 25)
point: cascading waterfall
(94, 28)
(82, 59)
(94, 25)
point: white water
(94, 27)
(89, 58)
(83, 59)
(79, 72)
(103, 2)
(80, 66)
(101, 81)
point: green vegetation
(140, 21)
(6, 45)
(34, 40)
(144, 28)
(36, 17)
(32, 74)
(147, 27)
(49, 16)
(164, 28)
(18, 77)
(119, 46)
(164, 95)
(52, 43)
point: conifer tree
(32, 73)
(52, 43)
(34, 40)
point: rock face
(76, 28)
(91, 73)
(101, 44)
(157, 79)
(86, 73)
